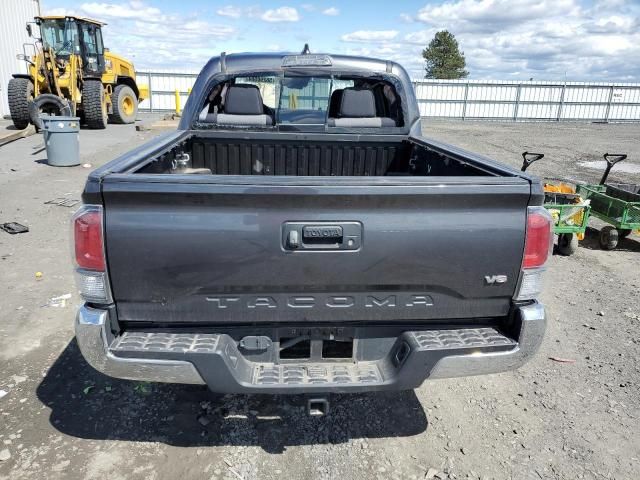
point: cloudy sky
(502, 39)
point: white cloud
(133, 9)
(370, 36)
(331, 11)
(421, 37)
(60, 11)
(230, 11)
(494, 11)
(614, 23)
(282, 14)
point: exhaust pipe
(317, 407)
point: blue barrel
(62, 140)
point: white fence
(468, 99)
(473, 99)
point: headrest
(357, 103)
(243, 100)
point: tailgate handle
(322, 235)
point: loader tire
(20, 93)
(125, 105)
(94, 104)
(47, 104)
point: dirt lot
(61, 419)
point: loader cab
(68, 36)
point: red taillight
(538, 238)
(87, 232)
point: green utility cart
(569, 210)
(617, 204)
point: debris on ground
(39, 275)
(13, 227)
(60, 301)
(4, 455)
(231, 469)
(142, 388)
(143, 127)
(431, 473)
(3, 393)
(86, 165)
(562, 360)
(63, 202)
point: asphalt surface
(60, 419)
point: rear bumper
(214, 359)
(94, 339)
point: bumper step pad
(165, 342)
(316, 374)
(462, 338)
(223, 366)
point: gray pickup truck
(297, 234)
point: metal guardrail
(466, 99)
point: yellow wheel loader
(71, 73)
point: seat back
(357, 108)
(242, 106)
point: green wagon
(617, 204)
(570, 212)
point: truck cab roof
(224, 67)
(240, 62)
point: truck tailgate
(213, 250)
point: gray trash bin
(62, 140)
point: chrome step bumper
(94, 340)
(214, 359)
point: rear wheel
(125, 104)
(567, 243)
(608, 238)
(94, 104)
(20, 93)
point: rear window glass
(303, 100)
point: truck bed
(313, 155)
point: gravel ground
(549, 420)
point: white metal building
(14, 15)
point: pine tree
(444, 58)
